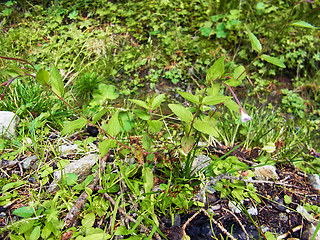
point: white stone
(235, 207)
(8, 123)
(65, 150)
(266, 172)
(29, 162)
(253, 211)
(314, 180)
(81, 167)
(200, 162)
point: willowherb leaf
(187, 143)
(183, 113)
(303, 24)
(70, 127)
(157, 101)
(190, 97)
(56, 81)
(42, 77)
(273, 60)
(255, 43)
(216, 70)
(140, 103)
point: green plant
(293, 103)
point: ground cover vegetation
(149, 86)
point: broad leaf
(143, 114)
(88, 220)
(42, 77)
(70, 127)
(157, 101)
(190, 97)
(273, 60)
(232, 105)
(187, 143)
(146, 142)
(205, 127)
(213, 100)
(35, 234)
(147, 179)
(154, 126)
(183, 113)
(126, 120)
(216, 70)
(105, 145)
(24, 212)
(303, 24)
(255, 43)
(113, 127)
(140, 103)
(56, 81)
(238, 75)
(99, 115)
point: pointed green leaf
(303, 24)
(140, 103)
(88, 220)
(105, 145)
(183, 113)
(143, 114)
(154, 126)
(146, 142)
(216, 70)
(190, 97)
(70, 127)
(126, 120)
(213, 100)
(147, 178)
(187, 143)
(113, 127)
(157, 101)
(99, 115)
(24, 212)
(56, 81)
(35, 234)
(273, 60)
(232, 105)
(255, 43)
(42, 77)
(205, 127)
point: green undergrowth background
(112, 55)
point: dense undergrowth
(160, 80)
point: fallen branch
(185, 236)
(120, 210)
(72, 215)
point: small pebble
(32, 180)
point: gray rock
(81, 167)
(8, 123)
(29, 162)
(253, 211)
(314, 180)
(309, 231)
(65, 150)
(266, 172)
(235, 207)
(200, 162)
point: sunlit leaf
(205, 127)
(113, 127)
(213, 100)
(187, 143)
(255, 43)
(183, 113)
(24, 212)
(303, 24)
(140, 103)
(70, 127)
(157, 101)
(42, 77)
(273, 60)
(216, 70)
(56, 81)
(88, 220)
(190, 97)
